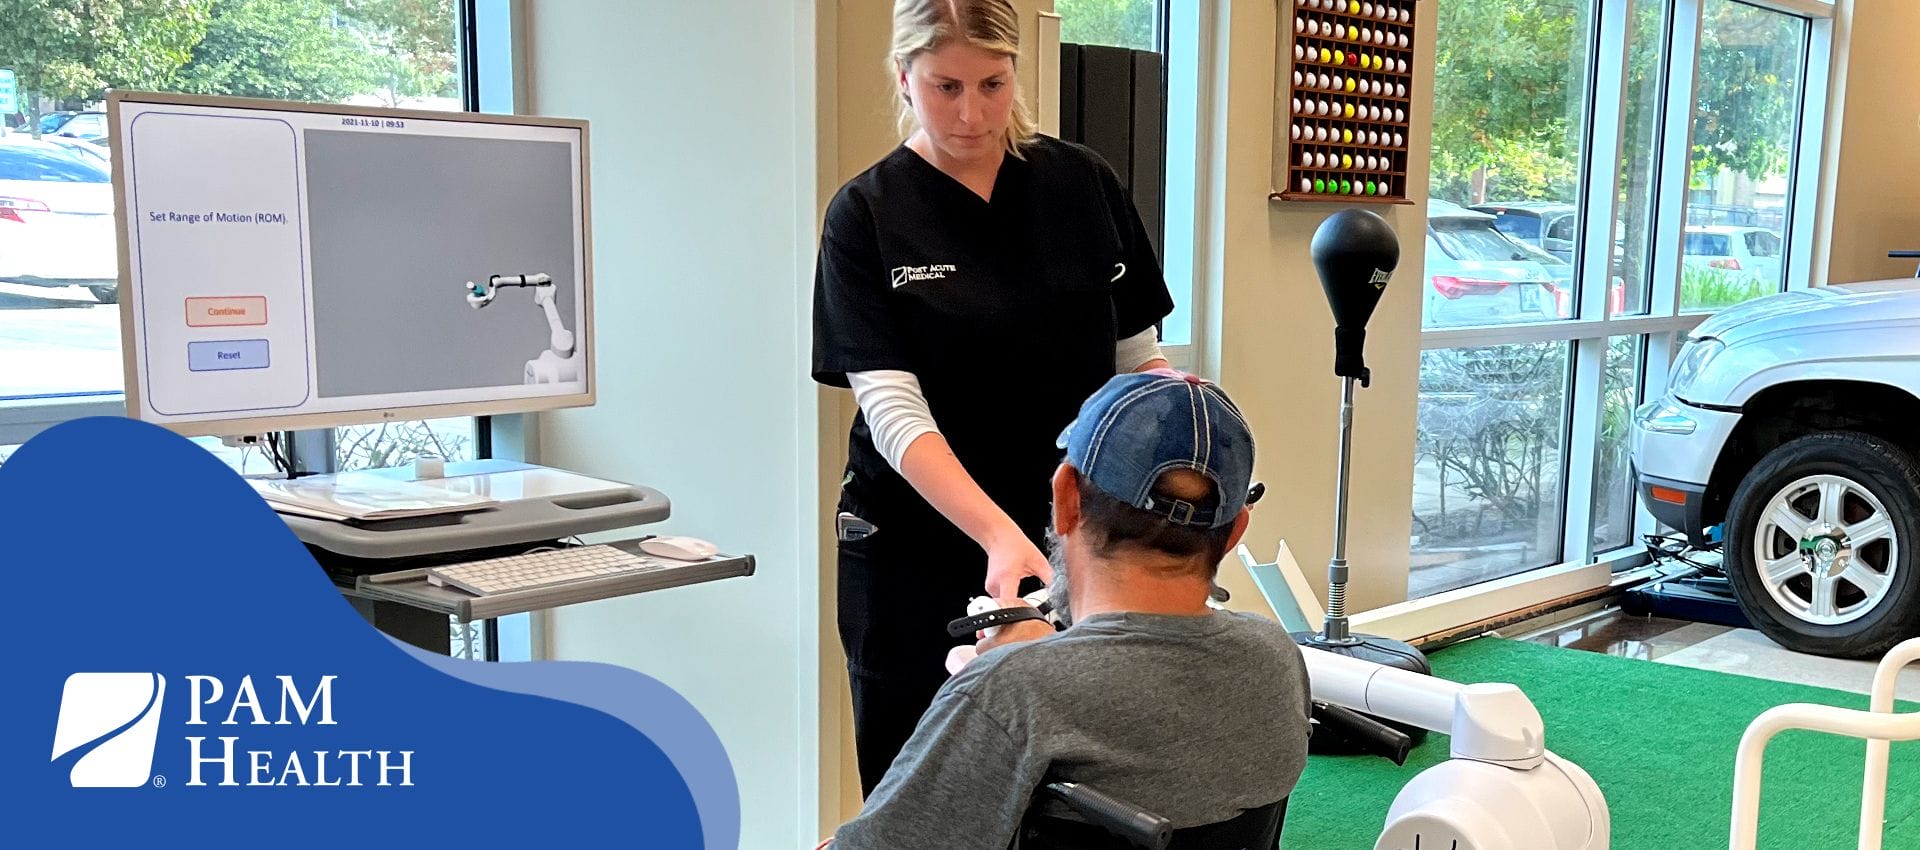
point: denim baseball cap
(1141, 425)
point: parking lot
(57, 342)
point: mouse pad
(181, 666)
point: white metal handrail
(1879, 726)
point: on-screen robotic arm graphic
(558, 364)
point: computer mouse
(677, 548)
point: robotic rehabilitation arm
(555, 365)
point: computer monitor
(292, 265)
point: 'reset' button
(223, 355)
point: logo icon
(903, 275)
(107, 727)
(1379, 280)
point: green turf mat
(1659, 740)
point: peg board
(1345, 97)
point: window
(1114, 23)
(1608, 174)
(1747, 109)
(1487, 480)
(1174, 29)
(59, 326)
(395, 443)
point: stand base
(1327, 740)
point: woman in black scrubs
(973, 288)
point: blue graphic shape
(128, 548)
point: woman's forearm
(930, 466)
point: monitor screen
(288, 265)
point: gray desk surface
(535, 504)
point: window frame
(484, 33)
(1664, 326)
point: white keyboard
(540, 569)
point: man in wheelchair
(1196, 714)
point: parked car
(1752, 252)
(1551, 227)
(1477, 276)
(56, 219)
(78, 125)
(86, 151)
(1788, 423)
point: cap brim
(1065, 434)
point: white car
(1747, 252)
(56, 219)
(1792, 423)
(1475, 275)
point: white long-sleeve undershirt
(897, 411)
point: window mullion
(1676, 153)
(1803, 194)
(1606, 127)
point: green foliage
(1507, 86)
(412, 42)
(1510, 94)
(281, 49)
(1712, 289)
(1749, 91)
(319, 50)
(1115, 23)
(73, 49)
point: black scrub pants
(897, 590)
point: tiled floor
(1708, 647)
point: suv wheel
(1821, 540)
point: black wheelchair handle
(1381, 739)
(1126, 821)
(1903, 255)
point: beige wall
(1271, 332)
(1874, 132)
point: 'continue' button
(228, 354)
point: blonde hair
(920, 26)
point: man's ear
(1066, 499)
(1239, 527)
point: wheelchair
(1109, 823)
(1113, 824)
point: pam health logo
(107, 728)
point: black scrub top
(1007, 311)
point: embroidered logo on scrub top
(903, 275)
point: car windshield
(1708, 244)
(84, 125)
(1562, 228)
(1518, 226)
(18, 163)
(1475, 239)
(1763, 244)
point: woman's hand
(1010, 559)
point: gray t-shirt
(1194, 718)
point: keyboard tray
(410, 587)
